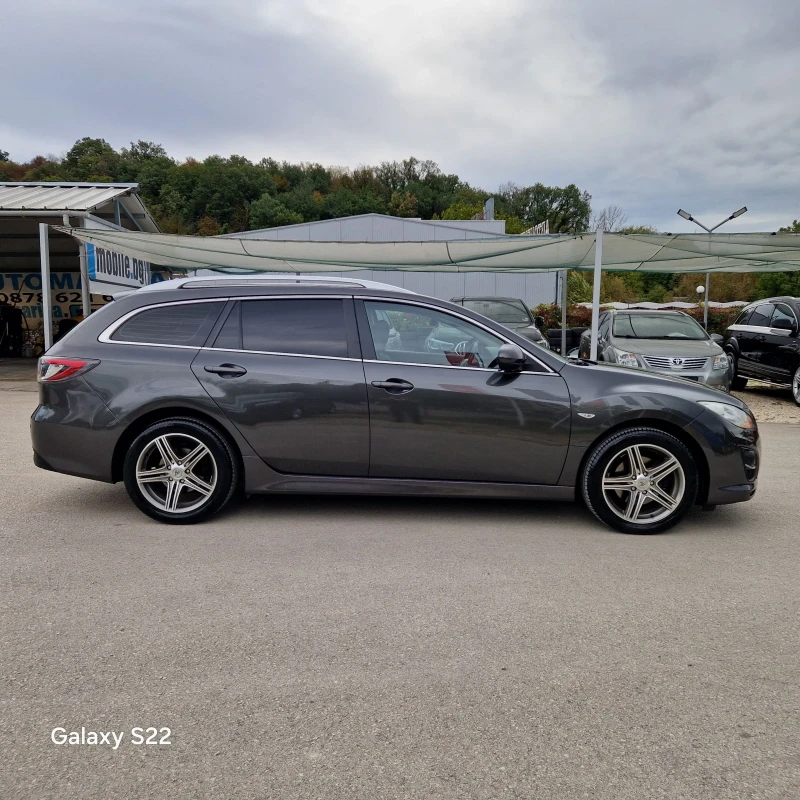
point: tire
(623, 508)
(737, 383)
(796, 385)
(180, 493)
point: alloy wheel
(176, 473)
(643, 484)
(796, 386)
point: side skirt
(414, 488)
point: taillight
(59, 369)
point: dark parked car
(764, 343)
(511, 312)
(196, 389)
(668, 342)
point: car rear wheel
(180, 471)
(796, 386)
(640, 480)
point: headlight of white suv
(721, 361)
(627, 359)
(732, 414)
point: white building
(533, 288)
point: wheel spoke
(173, 493)
(660, 496)
(193, 457)
(637, 462)
(662, 470)
(166, 451)
(198, 485)
(625, 482)
(634, 507)
(158, 475)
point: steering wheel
(469, 350)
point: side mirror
(538, 322)
(510, 358)
(715, 337)
(782, 325)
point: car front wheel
(180, 471)
(737, 383)
(640, 480)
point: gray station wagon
(199, 389)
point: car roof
(236, 281)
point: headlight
(721, 361)
(627, 359)
(732, 414)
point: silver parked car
(511, 312)
(669, 342)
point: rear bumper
(74, 432)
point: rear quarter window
(186, 324)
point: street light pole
(686, 215)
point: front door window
(411, 334)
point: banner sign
(116, 269)
(24, 290)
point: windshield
(503, 311)
(657, 326)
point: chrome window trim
(762, 329)
(453, 366)
(273, 353)
(460, 316)
(105, 336)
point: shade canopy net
(684, 252)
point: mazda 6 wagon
(197, 390)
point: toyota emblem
(677, 362)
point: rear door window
(312, 327)
(761, 316)
(186, 324)
(743, 317)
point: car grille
(668, 362)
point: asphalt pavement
(352, 648)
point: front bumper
(713, 378)
(733, 456)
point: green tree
(91, 160)
(793, 228)
(269, 212)
(567, 208)
(403, 204)
(4, 155)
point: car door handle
(761, 337)
(227, 370)
(394, 385)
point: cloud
(650, 106)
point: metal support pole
(598, 272)
(564, 313)
(705, 303)
(47, 306)
(86, 295)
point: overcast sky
(647, 104)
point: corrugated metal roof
(58, 196)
